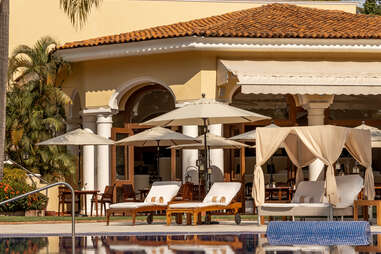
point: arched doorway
(137, 165)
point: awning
(302, 77)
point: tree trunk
(4, 44)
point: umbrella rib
(247, 119)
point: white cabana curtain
(266, 145)
(326, 144)
(359, 146)
(299, 155)
(304, 144)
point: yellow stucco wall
(187, 74)
(32, 19)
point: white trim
(267, 2)
(219, 44)
(121, 90)
(99, 111)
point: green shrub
(14, 184)
(22, 245)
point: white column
(217, 156)
(104, 125)
(190, 156)
(315, 117)
(89, 123)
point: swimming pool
(174, 244)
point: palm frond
(78, 10)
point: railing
(45, 188)
(25, 169)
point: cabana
(308, 143)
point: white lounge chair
(219, 197)
(309, 199)
(163, 249)
(160, 194)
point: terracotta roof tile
(268, 21)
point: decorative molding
(99, 111)
(122, 89)
(195, 43)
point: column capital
(104, 118)
(313, 101)
(99, 111)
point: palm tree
(4, 44)
(77, 10)
(35, 108)
(36, 63)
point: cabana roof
(308, 143)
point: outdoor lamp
(356, 169)
(25, 156)
(337, 166)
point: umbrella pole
(205, 149)
(157, 158)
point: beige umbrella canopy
(374, 133)
(204, 112)
(78, 137)
(250, 136)
(157, 136)
(213, 142)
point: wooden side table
(366, 203)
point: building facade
(299, 65)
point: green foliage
(14, 175)
(22, 245)
(371, 7)
(78, 10)
(14, 184)
(35, 109)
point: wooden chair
(185, 192)
(128, 193)
(103, 199)
(64, 197)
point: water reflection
(174, 244)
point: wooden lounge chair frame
(133, 211)
(195, 212)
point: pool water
(174, 244)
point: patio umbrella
(374, 133)
(157, 136)
(251, 136)
(78, 137)
(213, 142)
(204, 112)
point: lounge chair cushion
(163, 192)
(133, 205)
(306, 199)
(312, 189)
(223, 192)
(348, 187)
(290, 205)
(194, 205)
